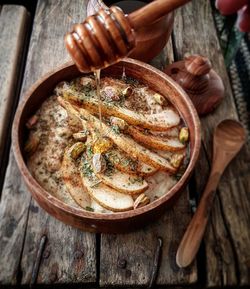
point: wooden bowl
(90, 221)
(150, 39)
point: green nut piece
(116, 121)
(80, 136)
(127, 91)
(176, 160)
(159, 98)
(77, 149)
(184, 135)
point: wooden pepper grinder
(203, 85)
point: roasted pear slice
(72, 179)
(123, 182)
(161, 121)
(101, 193)
(127, 165)
(125, 143)
(98, 208)
(116, 156)
(128, 145)
(156, 142)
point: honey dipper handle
(153, 11)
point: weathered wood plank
(69, 255)
(13, 218)
(138, 249)
(14, 25)
(228, 236)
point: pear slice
(125, 164)
(155, 142)
(161, 121)
(105, 196)
(146, 170)
(128, 145)
(124, 142)
(97, 208)
(72, 179)
(123, 182)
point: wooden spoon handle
(191, 240)
(153, 11)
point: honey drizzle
(97, 74)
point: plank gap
(19, 273)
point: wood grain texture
(202, 84)
(227, 235)
(14, 25)
(137, 249)
(13, 218)
(72, 253)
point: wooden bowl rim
(34, 185)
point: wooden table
(71, 257)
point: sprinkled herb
(110, 167)
(136, 180)
(132, 81)
(89, 151)
(86, 168)
(87, 208)
(115, 129)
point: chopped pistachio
(90, 209)
(102, 145)
(31, 144)
(176, 160)
(159, 98)
(80, 136)
(116, 121)
(127, 91)
(184, 135)
(99, 163)
(110, 93)
(86, 81)
(142, 200)
(77, 149)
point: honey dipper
(109, 35)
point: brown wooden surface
(228, 236)
(14, 25)
(70, 255)
(138, 250)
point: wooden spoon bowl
(90, 221)
(230, 134)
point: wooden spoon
(229, 137)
